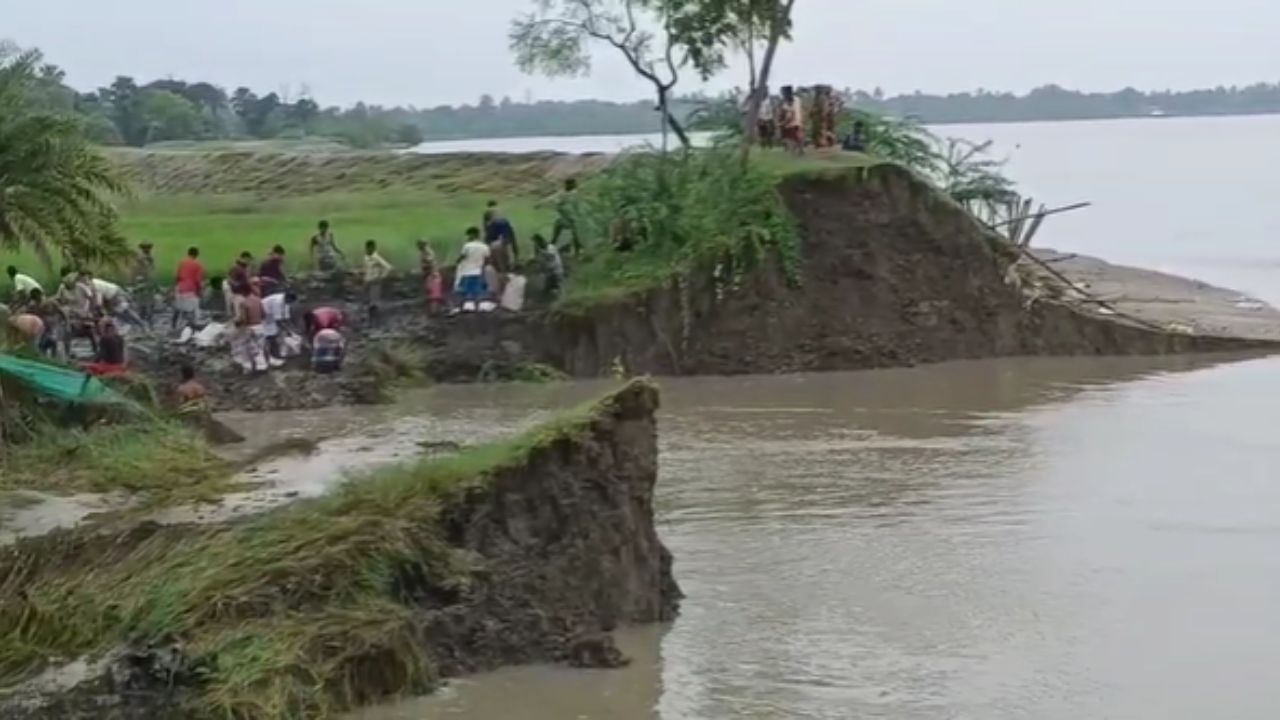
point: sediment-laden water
(1005, 539)
(1031, 538)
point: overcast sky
(429, 52)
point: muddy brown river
(1052, 538)
(1013, 539)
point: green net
(59, 383)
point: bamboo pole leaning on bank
(1021, 234)
(1021, 242)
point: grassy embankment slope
(286, 615)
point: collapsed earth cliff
(517, 552)
(892, 273)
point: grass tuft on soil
(159, 458)
(306, 611)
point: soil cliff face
(545, 553)
(892, 274)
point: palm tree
(54, 186)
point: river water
(1032, 538)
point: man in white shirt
(275, 323)
(115, 301)
(471, 261)
(22, 285)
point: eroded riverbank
(965, 518)
(522, 550)
(888, 273)
(1000, 539)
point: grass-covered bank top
(685, 212)
(279, 612)
(159, 458)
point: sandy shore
(1170, 302)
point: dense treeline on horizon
(1051, 102)
(132, 113)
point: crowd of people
(808, 116)
(81, 306)
(250, 307)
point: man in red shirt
(190, 283)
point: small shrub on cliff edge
(650, 218)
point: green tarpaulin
(59, 382)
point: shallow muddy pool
(1011, 539)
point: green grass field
(223, 226)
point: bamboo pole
(1042, 214)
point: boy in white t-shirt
(471, 261)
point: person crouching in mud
(323, 326)
(27, 329)
(112, 358)
(51, 315)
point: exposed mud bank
(528, 560)
(462, 349)
(892, 274)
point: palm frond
(56, 189)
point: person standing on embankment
(325, 257)
(249, 335)
(376, 271)
(792, 121)
(142, 280)
(432, 281)
(568, 217)
(187, 289)
(470, 268)
(271, 273)
(500, 235)
(552, 266)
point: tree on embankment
(709, 29)
(55, 187)
(554, 39)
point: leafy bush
(963, 170)
(650, 217)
